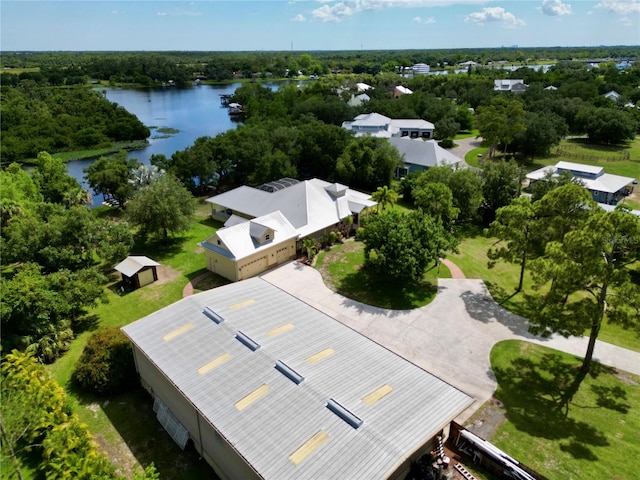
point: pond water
(193, 111)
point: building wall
(208, 442)
(224, 266)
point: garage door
(282, 254)
(253, 268)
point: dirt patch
(626, 378)
(167, 274)
(485, 422)
(333, 256)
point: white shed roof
(400, 406)
(605, 182)
(134, 263)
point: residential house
(264, 225)
(265, 386)
(358, 100)
(604, 187)
(362, 87)
(612, 95)
(421, 69)
(551, 88)
(510, 85)
(399, 91)
(419, 155)
(377, 125)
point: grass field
(341, 269)
(593, 435)
(122, 424)
(94, 153)
(502, 279)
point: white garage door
(253, 268)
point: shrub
(106, 366)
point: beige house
(264, 225)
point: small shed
(138, 271)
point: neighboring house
(604, 187)
(419, 155)
(421, 69)
(264, 224)
(612, 95)
(399, 91)
(377, 125)
(358, 100)
(551, 88)
(265, 386)
(510, 85)
(468, 63)
(362, 87)
(138, 271)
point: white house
(265, 386)
(377, 125)
(399, 91)
(421, 69)
(419, 155)
(510, 85)
(358, 100)
(612, 95)
(604, 187)
(264, 224)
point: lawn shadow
(538, 399)
(131, 414)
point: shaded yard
(341, 270)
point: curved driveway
(451, 337)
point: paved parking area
(451, 337)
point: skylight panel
(280, 329)
(378, 394)
(346, 415)
(327, 352)
(213, 363)
(247, 400)
(308, 447)
(178, 331)
(244, 303)
(289, 372)
(249, 342)
(212, 315)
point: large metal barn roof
(295, 392)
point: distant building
(510, 85)
(421, 69)
(604, 187)
(358, 100)
(399, 91)
(138, 271)
(419, 155)
(612, 95)
(552, 88)
(376, 125)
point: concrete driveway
(451, 337)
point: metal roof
(426, 153)
(134, 263)
(603, 182)
(337, 405)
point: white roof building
(421, 69)
(509, 85)
(266, 386)
(418, 154)
(377, 125)
(604, 187)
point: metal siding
(273, 427)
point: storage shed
(267, 387)
(138, 271)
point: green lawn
(502, 279)
(124, 422)
(472, 158)
(341, 269)
(94, 153)
(618, 160)
(593, 435)
(466, 134)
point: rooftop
(296, 393)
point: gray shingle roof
(266, 415)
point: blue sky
(314, 25)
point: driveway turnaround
(450, 338)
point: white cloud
(624, 7)
(339, 11)
(495, 14)
(180, 12)
(425, 21)
(626, 21)
(555, 8)
(298, 18)
(162, 14)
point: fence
(563, 152)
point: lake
(195, 111)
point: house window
(219, 242)
(267, 237)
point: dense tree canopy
(401, 246)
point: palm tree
(385, 196)
(309, 245)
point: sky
(268, 25)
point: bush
(106, 366)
